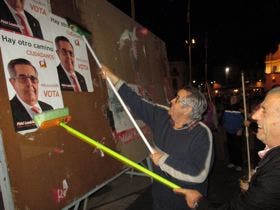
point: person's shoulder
(45, 106)
(4, 6)
(59, 68)
(29, 16)
(14, 100)
(78, 74)
(275, 153)
(162, 107)
(203, 128)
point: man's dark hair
(18, 61)
(63, 39)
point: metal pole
(132, 9)
(206, 69)
(246, 128)
(206, 57)
(118, 156)
(120, 99)
(190, 41)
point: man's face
(65, 53)
(177, 111)
(26, 83)
(17, 5)
(268, 119)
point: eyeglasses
(179, 100)
(183, 100)
(66, 52)
(23, 78)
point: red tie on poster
(35, 109)
(75, 82)
(25, 30)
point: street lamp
(227, 72)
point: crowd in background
(225, 117)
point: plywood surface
(40, 163)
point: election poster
(40, 9)
(26, 17)
(32, 18)
(32, 81)
(71, 57)
(54, 59)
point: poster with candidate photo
(40, 9)
(26, 17)
(32, 18)
(32, 82)
(71, 57)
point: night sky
(239, 32)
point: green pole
(118, 156)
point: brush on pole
(52, 118)
(60, 117)
(120, 99)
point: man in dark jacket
(233, 124)
(184, 146)
(69, 79)
(25, 104)
(13, 17)
(264, 188)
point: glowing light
(192, 41)
(227, 70)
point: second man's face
(268, 119)
(66, 56)
(26, 83)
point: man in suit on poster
(69, 79)
(13, 17)
(25, 104)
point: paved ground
(126, 193)
(120, 193)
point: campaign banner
(31, 77)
